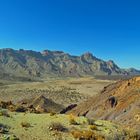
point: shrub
(11, 108)
(20, 109)
(3, 128)
(56, 126)
(4, 113)
(72, 120)
(25, 124)
(86, 135)
(9, 137)
(77, 134)
(52, 113)
(93, 127)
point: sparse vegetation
(72, 120)
(52, 113)
(93, 127)
(60, 91)
(44, 125)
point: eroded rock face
(70, 107)
(112, 101)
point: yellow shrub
(52, 113)
(93, 127)
(72, 120)
(86, 135)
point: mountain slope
(27, 63)
(119, 102)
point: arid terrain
(52, 95)
(35, 110)
(69, 70)
(63, 91)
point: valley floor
(63, 91)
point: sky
(110, 29)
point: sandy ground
(68, 91)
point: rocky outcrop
(112, 101)
(39, 104)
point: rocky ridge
(31, 64)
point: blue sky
(110, 29)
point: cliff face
(26, 63)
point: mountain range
(28, 64)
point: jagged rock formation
(42, 104)
(119, 102)
(28, 63)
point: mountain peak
(45, 52)
(87, 54)
(111, 62)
